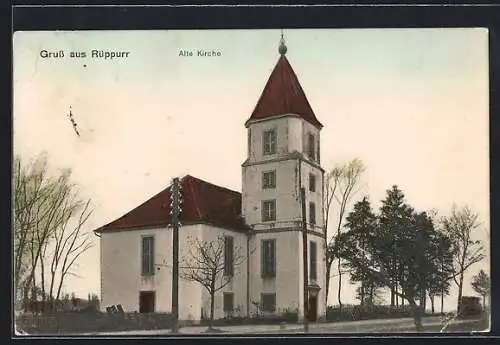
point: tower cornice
(278, 116)
(295, 155)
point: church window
(312, 213)
(148, 255)
(312, 261)
(269, 179)
(268, 258)
(311, 149)
(228, 256)
(268, 301)
(312, 182)
(268, 210)
(270, 142)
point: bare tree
(69, 243)
(209, 264)
(36, 200)
(339, 187)
(459, 227)
(44, 205)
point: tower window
(312, 182)
(249, 142)
(268, 210)
(313, 261)
(268, 258)
(269, 179)
(311, 147)
(270, 142)
(312, 213)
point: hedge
(77, 322)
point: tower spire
(282, 48)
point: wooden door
(313, 309)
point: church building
(264, 222)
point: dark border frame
(343, 16)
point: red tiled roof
(283, 94)
(203, 202)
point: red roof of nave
(203, 202)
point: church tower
(283, 157)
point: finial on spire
(282, 48)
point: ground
(404, 325)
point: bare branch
(205, 264)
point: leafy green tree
(459, 228)
(481, 285)
(401, 250)
(440, 280)
(394, 221)
(361, 224)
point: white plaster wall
(316, 197)
(121, 279)
(238, 285)
(295, 135)
(285, 193)
(256, 139)
(291, 136)
(286, 282)
(306, 129)
(320, 276)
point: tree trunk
(393, 283)
(396, 298)
(415, 311)
(460, 290)
(442, 303)
(372, 289)
(42, 280)
(212, 302)
(442, 300)
(484, 302)
(327, 284)
(392, 296)
(340, 286)
(424, 298)
(432, 303)
(362, 295)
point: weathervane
(282, 48)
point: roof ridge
(213, 184)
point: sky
(412, 104)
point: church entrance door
(312, 309)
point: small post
(304, 259)
(175, 252)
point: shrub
(287, 316)
(356, 312)
(91, 322)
